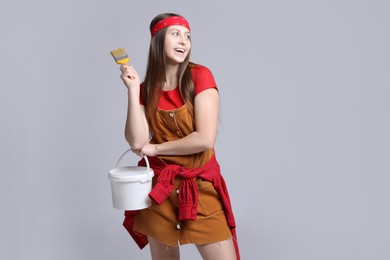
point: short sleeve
(203, 79)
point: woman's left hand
(149, 150)
(138, 152)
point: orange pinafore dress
(161, 221)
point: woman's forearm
(136, 129)
(192, 143)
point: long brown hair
(156, 74)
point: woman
(177, 105)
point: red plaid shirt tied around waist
(188, 193)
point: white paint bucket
(130, 185)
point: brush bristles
(118, 52)
(120, 56)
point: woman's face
(177, 44)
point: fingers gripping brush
(120, 56)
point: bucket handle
(146, 160)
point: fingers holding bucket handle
(144, 156)
(138, 152)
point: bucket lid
(131, 174)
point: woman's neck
(171, 77)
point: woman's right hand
(129, 76)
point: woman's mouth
(180, 50)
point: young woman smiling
(172, 118)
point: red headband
(173, 20)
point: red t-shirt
(203, 79)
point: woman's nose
(182, 40)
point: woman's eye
(188, 37)
(175, 33)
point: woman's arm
(136, 129)
(203, 138)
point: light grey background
(303, 142)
